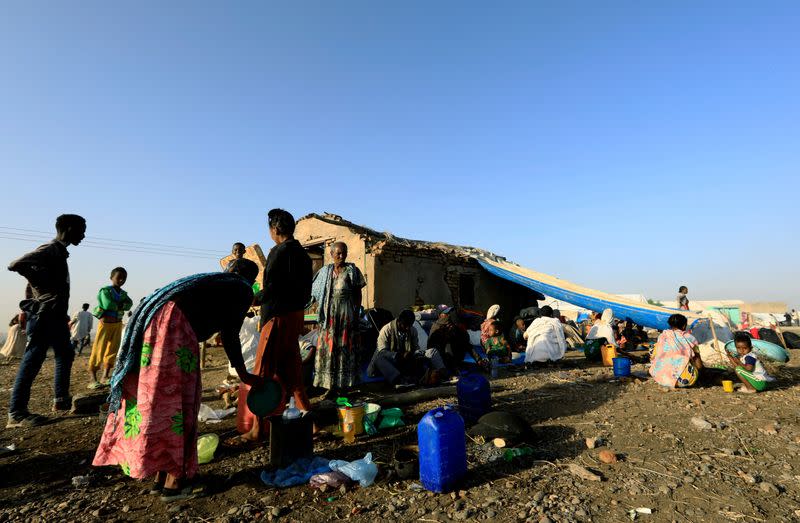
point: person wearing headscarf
(492, 315)
(337, 290)
(545, 338)
(16, 340)
(151, 430)
(602, 329)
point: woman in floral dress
(675, 361)
(337, 290)
(151, 429)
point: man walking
(80, 326)
(47, 321)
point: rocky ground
(684, 456)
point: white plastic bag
(362, 470)
(209, 415)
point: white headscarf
(602, 329)
(493, 312)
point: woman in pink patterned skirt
(156, 387)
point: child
(496, 344)
(516, 334)
(112, 304)
(749, 369)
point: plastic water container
(442, 449)
(244, 418)
(609, 352)
(622, 367)
(474, 397)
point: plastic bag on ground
(391, 418)
(362, 470)
(207, 414)
(330, 479)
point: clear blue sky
(623, 145)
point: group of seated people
(544, 335)
(401, 360)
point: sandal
(168, 495)
(158, 486)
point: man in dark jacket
(47, 319)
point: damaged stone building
(401, 273)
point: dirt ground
(745, 467)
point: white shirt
(81, 324)
(545, 340)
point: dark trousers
(43, 333)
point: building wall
(406, 276)
(399, 276)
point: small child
(497, 345)
(112, 304)
(749, 369)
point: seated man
(398, 357)
(452, 342)
(545, 338)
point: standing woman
(151, 429)
(337, 290)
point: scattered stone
(607, 456)
(233, 511)
(770, 429)
(768, 488)
(538, 497)
(583, 473)
(126, 508)
(701, 423)
(594, 442)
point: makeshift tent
(641, 313)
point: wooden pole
(722, 350)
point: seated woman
(602, 329)
(675, 360)
(156, 387)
